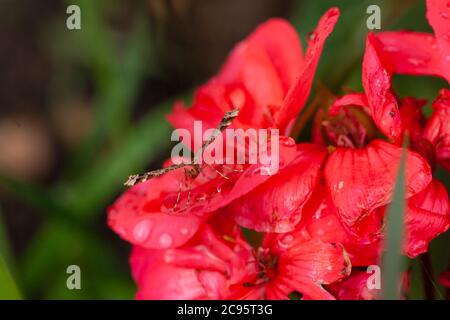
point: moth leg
(233, 168)
(218, 172)
(180, 188)
(188, 202)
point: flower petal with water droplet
(369, 176)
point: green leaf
(118, 70)
(45, 201)
(8, 288)
(393, 261)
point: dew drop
(199, 197)
(312, 36)
(184, 231)
(165, 240)
(416, 62)
(142, 230)
(264, 171)
(285, 241)
(237, 98)
(444, 15)
(287, 141)
(391, 49)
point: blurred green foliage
(116, 146)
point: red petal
(352, 99)
(428, 215)
(281, 43)
(322, 222)
(137, 216)
(355, 288)
(412, 119)
(377, 86)
(306, 266)
(299, 92)
(158, 280)
(444, 279)
(249, 65)
(413, 53)
(437, 130)
(276, 205)
(438, 15)
(362, 180)
(210, 104)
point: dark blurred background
(82, 109)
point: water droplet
(444, 15)
(416, 62)
(184, 231)
(237, 98)
(312, 36)
(391, 49)
(169, 256)
(198, 197)
(264, 171)
(142, 230)
(285, 241)
(340, 185)
(165, 240)
(287, 141)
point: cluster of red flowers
(321, 216)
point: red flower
(219, 264)
(144, 210)
(204, 268)
(324, 210)
(265, 76)
(295, 262)
(437, 130)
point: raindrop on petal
(142, 230)
(165, 240)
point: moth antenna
(138, 178)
